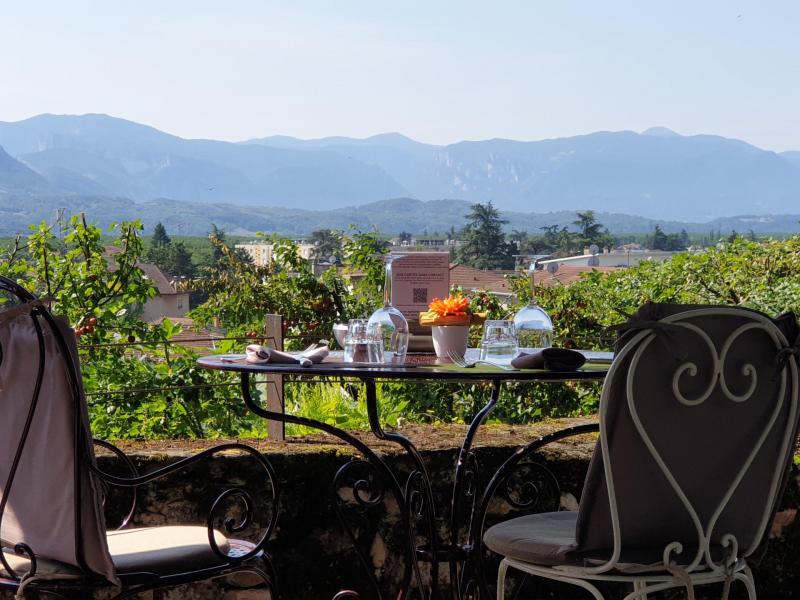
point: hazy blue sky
(436, 71)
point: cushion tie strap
(784, 354)
(683, 576)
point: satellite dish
(594, 249)
(552, 268)
(594, 261)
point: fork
(464, 363)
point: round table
(414, 496)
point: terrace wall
(314, 557)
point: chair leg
(501, 580)
(640, 586)
(546, 574)
(746, 577)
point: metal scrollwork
(356, 485)
(717, 374)
(717, 378)
(346, 595)
(532, 486)
(232, 524)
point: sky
(437, 71)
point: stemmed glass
(532, 324)
(388, 322)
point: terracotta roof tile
(479, 279)
(567, 274)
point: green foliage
(764, 276)
(241, 294)
(485, 246)
(139, 384)
(80, 280)
(174, 259)
(590, 231)
(327, 246)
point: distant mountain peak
(659, 131)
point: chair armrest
(479, 516)
(478, 521)
(215, 511)
(130, 467)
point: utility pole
(61, 221)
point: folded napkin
(257, 354)
(552, 359)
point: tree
(181, 264)
(589, 228)
(520, 238)
(591, 231)
(159, 252)
(674, 243)
(160, 236)
(217, 238)
(658, 241)
(404, 237)
(485, 246)
(327, 246)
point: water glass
(392, 333)
(499, 343)
(361, 345)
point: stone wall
(314, 557)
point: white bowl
(339, 332)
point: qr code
(420, 295)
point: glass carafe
(389, 323)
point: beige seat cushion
(21, 564)
(164, 550)
(161, 550)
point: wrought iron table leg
(464, 487)
(419, 502)
(375, 462)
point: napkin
(258, 354)
(552, 359)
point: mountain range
(657, 173)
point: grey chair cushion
(542, 539)
(704, 445)
(168, 549)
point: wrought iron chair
(698, 418)
(54, 537)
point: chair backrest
(698, 419)
(50, 502)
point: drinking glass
(532, 324)
(360, 344)
(388, 323)
(499, 343)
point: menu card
(418, 278)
